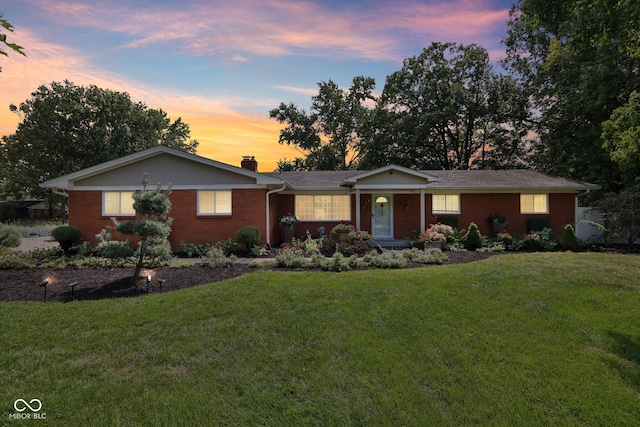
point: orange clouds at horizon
(224, 134)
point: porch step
(391, 243)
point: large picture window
(118, 203)
(214, 202)
(323, 208)
(445, 203)
(534, 203)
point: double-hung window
(214, 202)
(323, 207)
(118, 203)
(534, 203)
(445, 203)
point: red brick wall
(248, 208)
(478, 207)
(406, 214)
(474, 207)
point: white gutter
(60, 193)
(268, 228)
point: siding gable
(165, 168)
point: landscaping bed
(100, 283)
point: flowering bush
(445, 229)
(343, 228)
(289, 220)
(360, 236)
(504, 237)
(531, 236)
(435, 233)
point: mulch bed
(93, 283)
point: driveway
(30, 243)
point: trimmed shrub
(337, 263)
(473, 239)
(569, 240)
(66, 235)
(538, 224)
(290, 258)
(387, 259)
(227, 246)
(194, 250)
(114, 249)
(426, 256)
(216, 257)
(249, 236)
(14, 262)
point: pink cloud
(276, 27)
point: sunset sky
(222, 65)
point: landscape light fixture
(72, 285)
(44, 284)
(161, 282)
(148, 280)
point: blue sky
(222, 65)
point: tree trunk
(136, 273)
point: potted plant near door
(341, 232)
(288, 223)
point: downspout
(64, 210)
(268, 216)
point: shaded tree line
(447, 108)
(66, 128)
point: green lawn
(542, 339)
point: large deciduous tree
(580, 61)
(621, 136)
(66, 128)
(3, 39)
(330, 135)
(448, 109)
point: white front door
(382, 215)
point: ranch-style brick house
(212, 200)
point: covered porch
(391, 203)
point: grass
(548, 339)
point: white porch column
(357, 209)
(423, 221)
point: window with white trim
(534, 203)
(214, 202)
(445, 203)
(118, 203)
(323, 208)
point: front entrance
(382, 216)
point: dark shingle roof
(521, 179)
(314, 179)
(504, 179)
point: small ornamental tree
(152, 225)
(473, 239)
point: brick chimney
(249, 162)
